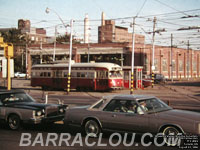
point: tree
(62, 39)
(15, 37)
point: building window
(164, 65)
(180, 65)
(156, 64)
(173, 65)
(194, 66)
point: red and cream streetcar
(94, 76)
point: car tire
(92, 128)
(14, 122)
(168, 133)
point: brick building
(36, 35)
(185, 63)
(108, 32)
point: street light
(70, 49)
(48, 10)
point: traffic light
(1, 40)
(8, 50)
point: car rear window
(99, 104)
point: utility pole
(88, 52)
(171, 65)
(54, 49)
(22, 61)
(133, 51)
(153, 51)
(188, 59)
(26, 59)
(88, 48)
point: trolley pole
(70, 57)
(133, 51)
(153, 51)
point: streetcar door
(57, 79)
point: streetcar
(84, 76)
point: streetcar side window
(49, 74)
(45, 74)
(65, 74)
(59, 73)
(90, 74)
(41, 74)
(83, 75)
(78, 74)
(73, 74)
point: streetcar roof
(109, 66)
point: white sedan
(20, 75)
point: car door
(1, 110)
(2, 107)
(115, 118)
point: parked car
(158, 78)
(128, 113)
(146, 82)
(17, 107)
(20, 75)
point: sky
(34, 10)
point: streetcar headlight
(114, 83)
(39, 113)
(61, 110)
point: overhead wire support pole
(153, 51)
(188, 59)
(70, 56)
(132, 60)
(171, 65)
(54, 49)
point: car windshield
(153, 105)
(16, 97)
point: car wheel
(92, 128)
(171, 136)
(14, 122)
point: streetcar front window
(115, 74)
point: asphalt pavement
(181, 95)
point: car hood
(30, 105)
(81, 107)
(175, 114)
